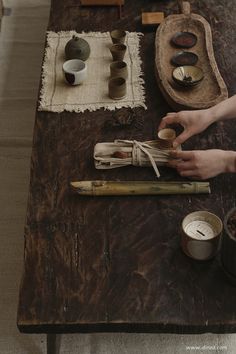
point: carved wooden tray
(212, 89)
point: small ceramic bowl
(75, 71)
(184, 58)
(187, 75)
(184, 39)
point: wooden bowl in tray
(212, 89)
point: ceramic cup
(75, 71)
(117, 88)
(118, 51)
(228, 250)
(119, 69)
(118, 36)
(166, 137)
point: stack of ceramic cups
(118, 68)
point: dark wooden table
(115, 263)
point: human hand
(203, 164)
(193, 123)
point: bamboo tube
(100, 188)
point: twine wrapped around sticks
(130, 152)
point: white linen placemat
(57, 96)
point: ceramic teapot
(77, 48)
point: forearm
(223, 110)
(230, 161)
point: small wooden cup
(118, 36)
(117, 88)
(119, 69)
(166, 137)
(118, 51)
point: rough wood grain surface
(212, 89)
(101, 2)
(115, 263)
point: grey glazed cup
(117, 88)
(118, 51)
(118, 36)
(119, 69)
